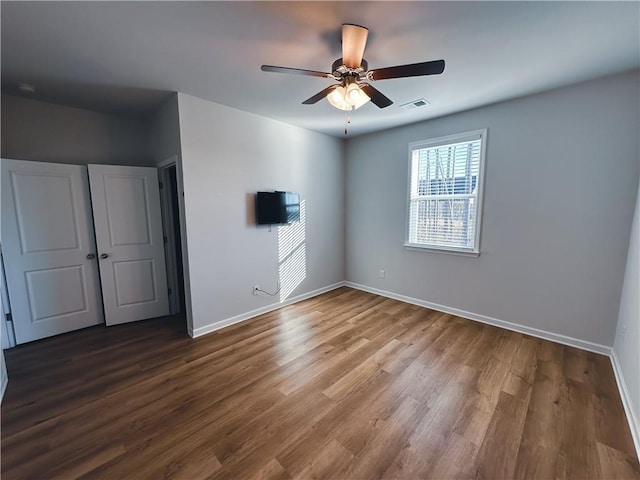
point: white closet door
(128, 227)
(49, 249)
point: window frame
(446, 140)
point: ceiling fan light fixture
(336, 98)
(355, 96)
(350, 98)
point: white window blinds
(445, 184)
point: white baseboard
(632, 420)
(534, 332)
(212, 327)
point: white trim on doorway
(169, 225)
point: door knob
(104, 255)
(91, 256)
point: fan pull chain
(347, 122)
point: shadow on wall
(292, 254)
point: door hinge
(161, 186)
(8, 317)
(164, 239)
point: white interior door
(48, 244)
(128, 227)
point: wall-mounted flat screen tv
(277, 208)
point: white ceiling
(124, 56)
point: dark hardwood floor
(347, 385)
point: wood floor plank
(476, 414)
(498, 452)
(328, 462)
(429, 439)
(345, 420)
(271, 471)
(387, 441)
(579, 422)
(457, 459)
(362, 373)
(616, 464)
(607, 404)
(538, 452)
(340, 386)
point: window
(445, 192)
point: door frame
(169, 224)
(181, 223)
(7, 332)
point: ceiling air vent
(419, 103)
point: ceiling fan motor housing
(340, 70)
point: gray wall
(228, 155)
(626, 344)
(164, 131)
(47, 132)
(164, 143)
(561, 180)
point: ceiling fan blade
(354, 39)
(377, 97)
(412, 70)
(296, 71)
(320, 95)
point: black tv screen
(276, 208)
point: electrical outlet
(256, 289)
(382, 273)
(624, 332)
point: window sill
(461, 253)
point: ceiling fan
(352, 72)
